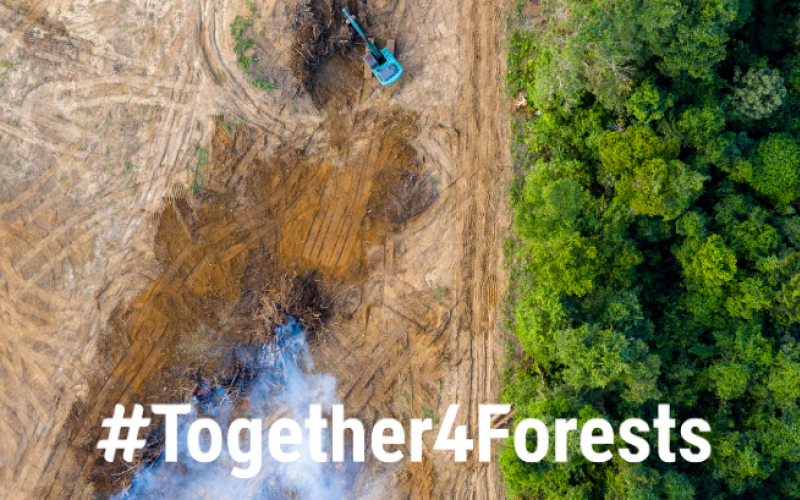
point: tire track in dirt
(483, 152)
(47, 246)
(58, 250)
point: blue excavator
(382, 63)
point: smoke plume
(282, 388)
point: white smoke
(283, 388)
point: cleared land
(109, 264)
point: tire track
(53, 251)
(481, 149)
(190, 77)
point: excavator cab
(382, 63)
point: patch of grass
(264, 84)
(522, 61)
(202, 161)
(244, 62)
(427, 412)
(238, 26)
(241, 44)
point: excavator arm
(382, 63)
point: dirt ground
(111, 265)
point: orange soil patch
(257, 221)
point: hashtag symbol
(130, 443)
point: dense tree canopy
(658, 245)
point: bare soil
(121, 284)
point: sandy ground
(104, 105)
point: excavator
(382, 63)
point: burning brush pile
(277, 384)
(268, 376)
(308, 298)
(285, 351)
(287, 313)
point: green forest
(657, 249)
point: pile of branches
(307, 297)
(321, 34)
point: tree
(596, 358)
(694, 40)
(649, 102)
(651, 178)
(708, 263)
(774, 171)
(659, 251)
(761, 93)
